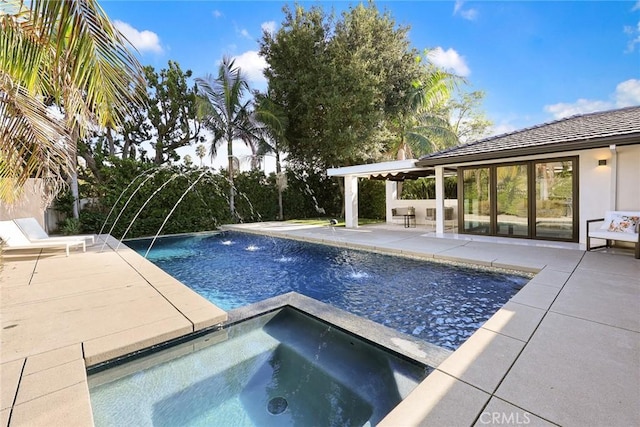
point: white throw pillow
(624, 223)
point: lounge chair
(31, 228)
(13, 239)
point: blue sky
(536, 61)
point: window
(554, 200)
(512, 214)
(476, 202)
(534, 199)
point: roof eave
(628, 139)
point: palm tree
(422, 125)
(224, 111)
(62, 53)
(201, 151)
(273, 127)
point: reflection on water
(439, 303)
(283, 368)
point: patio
(565, 350)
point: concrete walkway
(565, 350)
(61, 314)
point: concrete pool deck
(565, 350)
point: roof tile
(586, 127)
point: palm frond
(32, 141)
(67, 53)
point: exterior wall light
(602, 162)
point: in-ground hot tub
(280, 368)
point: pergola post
(439, 200)
(351, 201)
(391, 193)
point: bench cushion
(403, 211)
(621, 221)
(614, 235)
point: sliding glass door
(554, 200)
(476, 202)
(534, 199)
(512, 213)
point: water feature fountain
(171, 212)
(151, 173)
(206, 176)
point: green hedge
(204, 206)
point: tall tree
(201, 151)
(273, 129)
(347, 76)
(421, 122)
(66, 53)
(224, 110)
(467, 117)
(172, 111)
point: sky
(536, 61)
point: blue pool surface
(280, 369)
(440, 303)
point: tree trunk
(232, 190)
(91, 164)
(75, 135)
(279, 183)
(112, 146)
(158, 160)
(126, 148)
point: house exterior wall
(628, 178)
(29, 204)
(597, 183)
(615, 186)
(420, 205)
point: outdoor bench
(408, 215)
(623, 226)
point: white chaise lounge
(13, 239)
(35, 233)
(623, 226)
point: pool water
(283, 368)
(440, 303)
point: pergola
(391, 172)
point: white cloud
(626, 94)
(252, 65)
(217, 14)
(241, 31)
(581, 106)
(269, 27)
(469, 14)
(449, 60)
(144, 41)
(636, 6)
(634, 36)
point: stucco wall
(28, 205)
(597, 183)
(629, 178)
(419, 205)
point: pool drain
(277, 405)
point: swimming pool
(440, 303)
(281, 368)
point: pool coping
(40, 388)
(378, 335)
